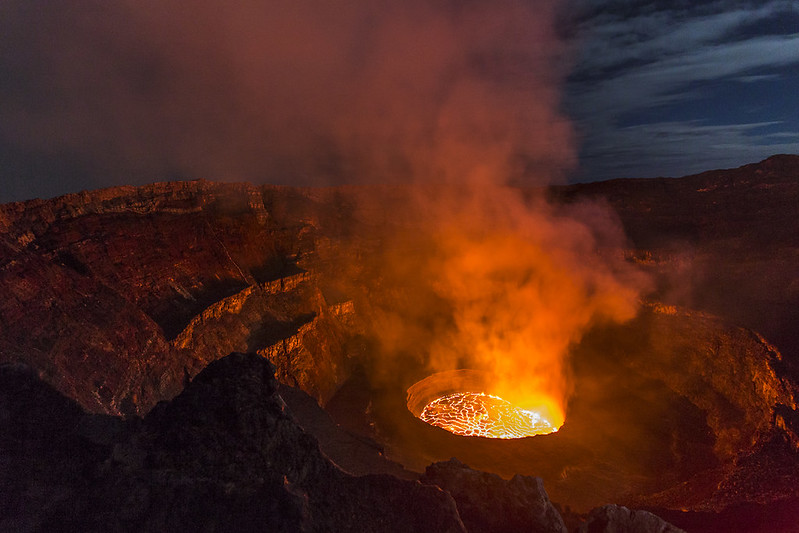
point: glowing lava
(476, 414)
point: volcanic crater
(118, 298)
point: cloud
(680, 148)
(666, 54)
(665, 80)
(639, 66)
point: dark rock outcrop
(224, 455)
(490, 504)
(227, 455)
(618, 519)
(46, 448)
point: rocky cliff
(116, 296)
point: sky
(670, 88)
(97, 93)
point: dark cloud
(782, 21)
(105, 92)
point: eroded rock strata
(117, 296)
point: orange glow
(524, 282)
(502, 284)
(477, 414)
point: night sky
(100, 93)
(668, 88)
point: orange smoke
(487, 278)
(452, 99)
(455, 101)
(525, 281)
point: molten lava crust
(477, 414)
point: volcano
(448, 400)
(120, 307)
(477, 414)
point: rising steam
(452, 99)
(502, 283)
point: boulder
(490, 504)
(619, 519)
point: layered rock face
(708, 405)
(117, 296)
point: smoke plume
(455, 100)
(497, 281)
(297, 92)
